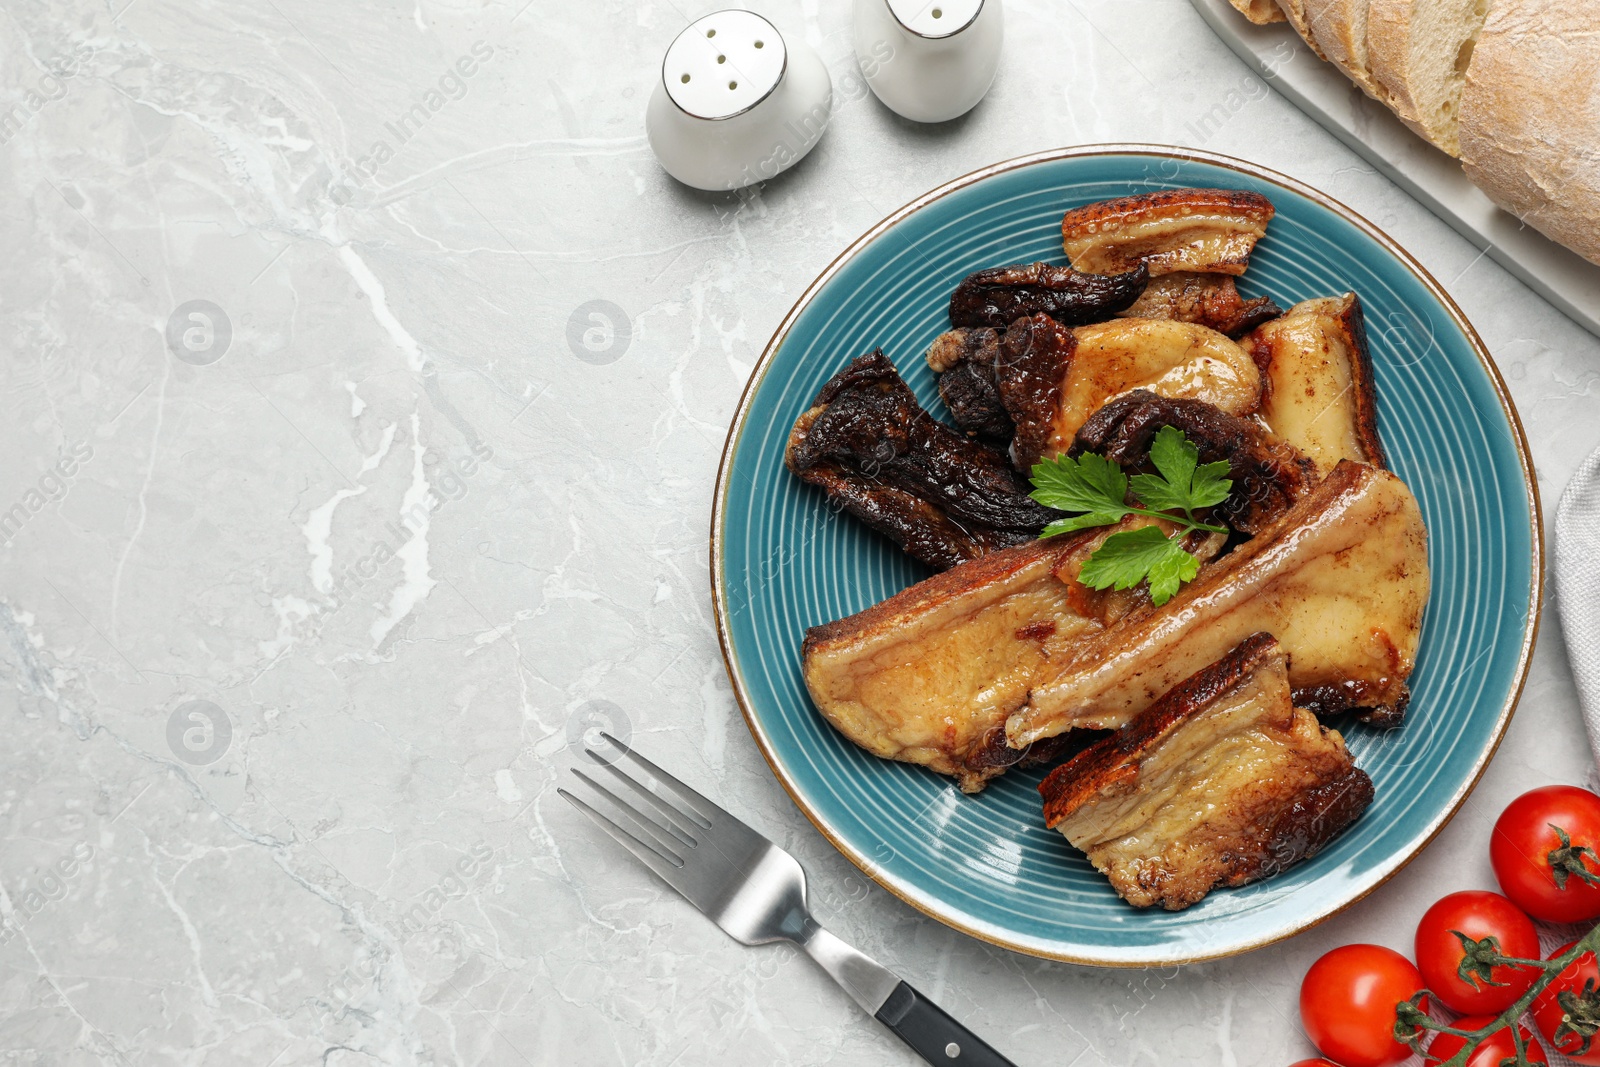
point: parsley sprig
(1097, 491)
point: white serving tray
(1283, 60)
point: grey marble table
(297, 626)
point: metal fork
(756, 892)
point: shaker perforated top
(724, 64)
(935, 18)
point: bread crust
(1340, 27)
(1416, 50)
(1389, 58)
(1530, 117)
(1260, 12)
(1299, 16)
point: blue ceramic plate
(783, 561)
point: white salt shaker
(736, 103)
(928, 61)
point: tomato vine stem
(1566, 861)
(1581, 1010)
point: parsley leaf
(1089, 483)
(1096, 490)
(1211, 485)
(1182, 484)
(1082, 522)
(1131, 556)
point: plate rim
(780, 334)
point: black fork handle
(933, 1034)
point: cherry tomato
(1479, 915)
(1318, 1062)
(1548, 1013)
(1347, 1002)
(1490, 1051)
(1533, 866)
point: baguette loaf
(1530, 117)
(1418, 52)
(1511, 87)
(1260, 12)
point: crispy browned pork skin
(1208, 230)
(1208, 299)
(868, 444)
(1221, 782)
(929, 675)
(1268, 474)
(1317, 388)
(1051, 379)
(999, 296)
(1341, 580)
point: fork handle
(933, 1034)
(918, 1021)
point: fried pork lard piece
(1341, 580)
(1221, 782)
(1208, 230)
(1000, 295)
(929, 675)
(1317, 389)
(1036, 383)
(1207, 299)
(943, 498)
(1268, 474)
(964, 359)
(1051, 379)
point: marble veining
(365, 381)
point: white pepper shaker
(928, 60)
(736, 103)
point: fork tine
(666, 817)
(701, 809)
(732, 839)
(714, 865)
(668, 871)
(640, 825)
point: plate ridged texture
(987, 864)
